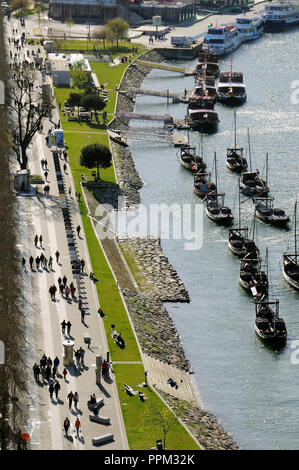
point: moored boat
(249, 27)
(253, 278)
(190, 160)
(265, 211)
(235, 160)
(203, 185)
(231, 90)
(221, 40)
(201, 114)
(217, 211)
(268, 325)
(278, 16)
(290, 260)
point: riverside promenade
(42, 215)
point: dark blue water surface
(253, 390)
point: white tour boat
(221, 40)
(280, 15)
(249, 27)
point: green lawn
(140, 434)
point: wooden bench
(99, 402)
(87, 338)
(129, 390)
(99, 419)
(101, 439)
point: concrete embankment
(157, 282)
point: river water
(253, 390)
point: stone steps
(158, 374)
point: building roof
(60, 65)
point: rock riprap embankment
(155, 275)
(155, 329)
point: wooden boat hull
(206, 127)
(231, 100)
(236, 167)
(292, 282)
(275, 339)
(272, 220)
(223, 219)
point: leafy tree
(95, 155)
(92, 102)
(79, 77)
(74, 99)
(119, 28)
(58, 43)
(104, 34)
(25, 112)
(160, 418)
(20, 4)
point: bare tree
(25, 112)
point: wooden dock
(171, 68)
(166, 118)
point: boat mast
(215, 171)
(201, 146)
(296, 231)
(267, 169)
(249, 150)
(239, 204)
(235, 125)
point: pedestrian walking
(57, 388)
(73, 290)
(67, 292)
(51, 292)
(50, 264)
(31, 260)
(34, 371)
(43, 361)
(46, 175)
(57, 254)
(56, 362)
(64, 280)
(51, 390)
(77, 426)
(80, 303)
(79, 196)
(68, 328)
(64, 372)
(82, 262)
(78, 230)
(59, 280)
(48, 373)
(63, 325)
(77, 357)
(41, 241)
(61, 288)
(35, 240)
(45, 264)
(82, 315)
(76, 400)
(82, 354)
(37, 372)
(54, 372)
(41, 258)
(70, 399)
(37, 261)
(49, 361)
(23, 263)
(54, 291)
(46, 163)
(66, 426)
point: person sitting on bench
(119, 340)
(92, 400)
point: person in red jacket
(77, 426)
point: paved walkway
(43, 215)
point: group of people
(79, 356)
(46, 368)
(66, 425)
